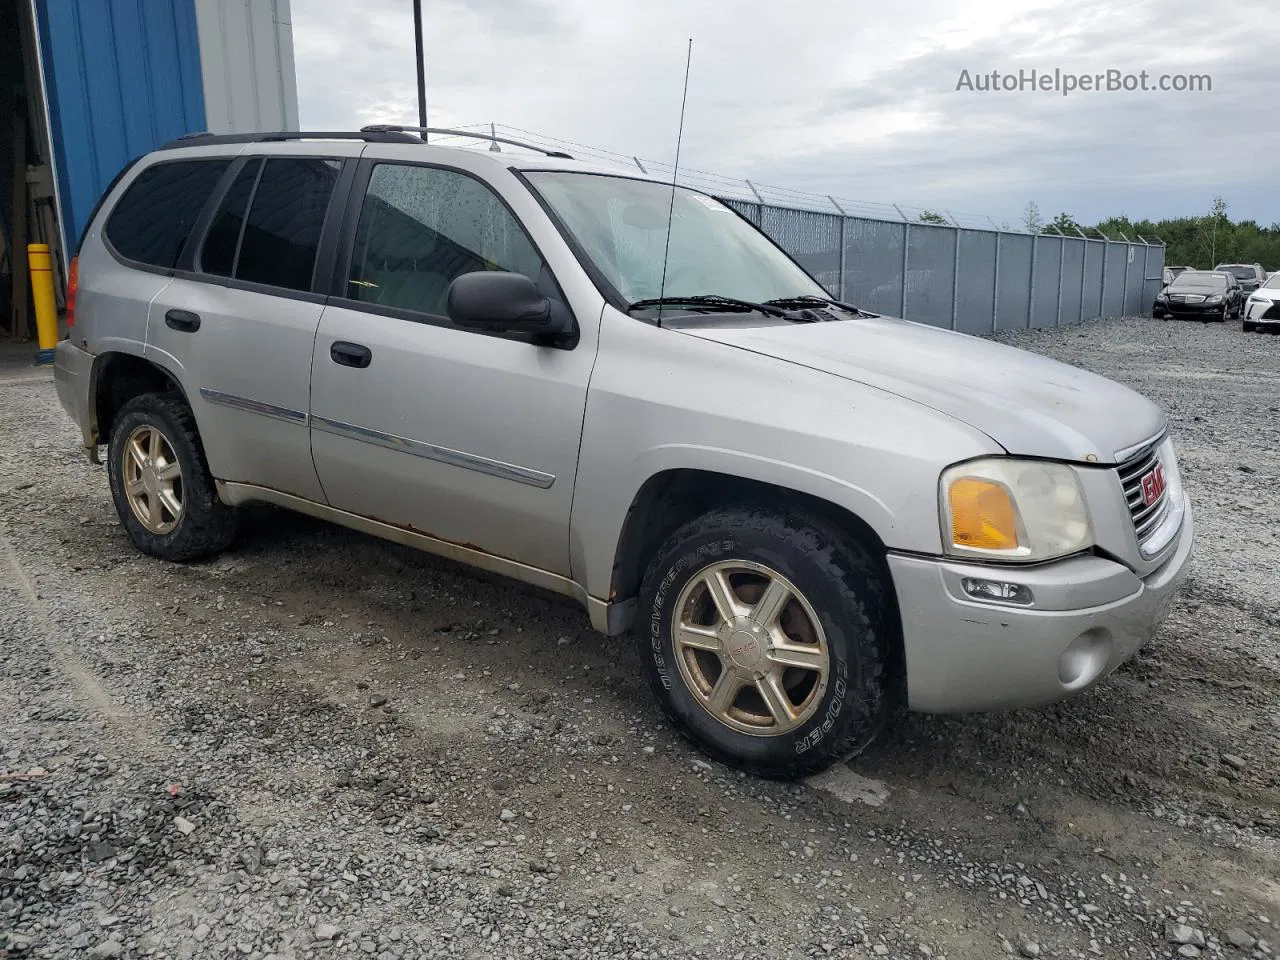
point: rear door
(241, 319)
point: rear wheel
(160, 482)
(765, 639)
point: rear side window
(223, 239)
(286, 215)
(153, 219)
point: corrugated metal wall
(246, 52)
(122, 77)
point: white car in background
(1262, 309)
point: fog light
(997, 591)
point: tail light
(73, 281)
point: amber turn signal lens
(983, 516)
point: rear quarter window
(152, 221)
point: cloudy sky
(858, 100)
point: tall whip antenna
(684, 97)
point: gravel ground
(321, 745)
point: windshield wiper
(799, 303)
(712, 301)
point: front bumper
(73, 376)
(1192, 309)
(1090, 615)
(1262, 312)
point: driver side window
(422, 227)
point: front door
(469, 437)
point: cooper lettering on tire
(766, 639)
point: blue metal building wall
(122, 77)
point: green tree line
(1201, 242)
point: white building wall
(246, 56)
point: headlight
(1002, 508)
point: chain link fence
(963, 278)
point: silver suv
(806, 514)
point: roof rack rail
(279, 136)
(388, 128)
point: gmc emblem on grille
(1153, 485)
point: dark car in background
(1250, 275)
(1200, 294)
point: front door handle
(350, 354)
(183, 320)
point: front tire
(765, 638)
(1249, 326)
(160, 481)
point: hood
(1030, 405)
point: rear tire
(837, 614)
(160, 481)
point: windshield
(1273, 282)
(621, 224)
(1197, 281)
(1237, 270)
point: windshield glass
(1197, 281)
(1273, 283)
(1237, 270)
(621, 224)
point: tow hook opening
(1085, 659)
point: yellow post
(42, 296)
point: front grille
(1273, 312)
(1146, 517)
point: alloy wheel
(750, 648)
(152, 479)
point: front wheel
(765, 639)
(1249, 326)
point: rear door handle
(350, 354)
(183, 320)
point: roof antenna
(662, 288)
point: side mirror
(496, 301)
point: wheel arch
(117, 378)
(671, 498)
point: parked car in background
(1262, 309)
(1201, 295)
(1250, 275)
(805, 514)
